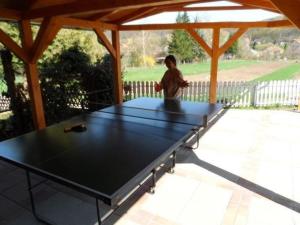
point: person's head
(170, 61)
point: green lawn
(155, 73)
(5, 115)
(285, 73)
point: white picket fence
(4, 104)
(235, 93)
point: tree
(181, 44)
(233, 49)
(198, 51)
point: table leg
(32, 199)
(98, 212)
(171, 170)
(152, 188)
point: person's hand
(157, 87)
(185, 83)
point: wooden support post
(32, 77)
(47, 32)
(100, 34)
(13, 46)
(214, 66)
(200, 41)
(118, 85)
(231, 40)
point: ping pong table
(123, 146)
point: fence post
(253, 94)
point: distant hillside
(259, 43)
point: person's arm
(159, 86)
(181, 82)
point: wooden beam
(10, 14)
(96, 6)
(265, 5)
(118, 84)
(290, 9)
(101, 15)
(47, 32)
(86, 24)
(209, 8)
(143, 15)
(232, 39)
(214, 66)
(201, 41)
(137, 14)
(13, 46)
(32, 77)
(105, 41)
(207, 25)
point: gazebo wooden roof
(101, 15)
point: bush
(149, 61)
(71, 84)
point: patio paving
(246, 171)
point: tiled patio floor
(246, 171)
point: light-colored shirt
(171, 83)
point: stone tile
(64, 209)
(263, 211)
(11, 179)
(157, 220)
(171, 197)
(230, 214)
(13, 214)
(138, 216)
(6, 168)
(206, 201)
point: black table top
(184, 112)
(111, 153)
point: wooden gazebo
(52, 15)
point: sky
(211, 16)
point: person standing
(172, 82)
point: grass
(5, 115)
(286, 73)
(155, 73)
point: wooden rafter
(95, 6)
(10, 14)
(13, 46)
(210, 8)
(165, 8)
(47, 32)
(101, 15)
(137, 14)
(232, 39)
(143, 15)
(288, 9)
(266, 5)
(207, 25)
(85, 24)
(105, 41)
(201, 41)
